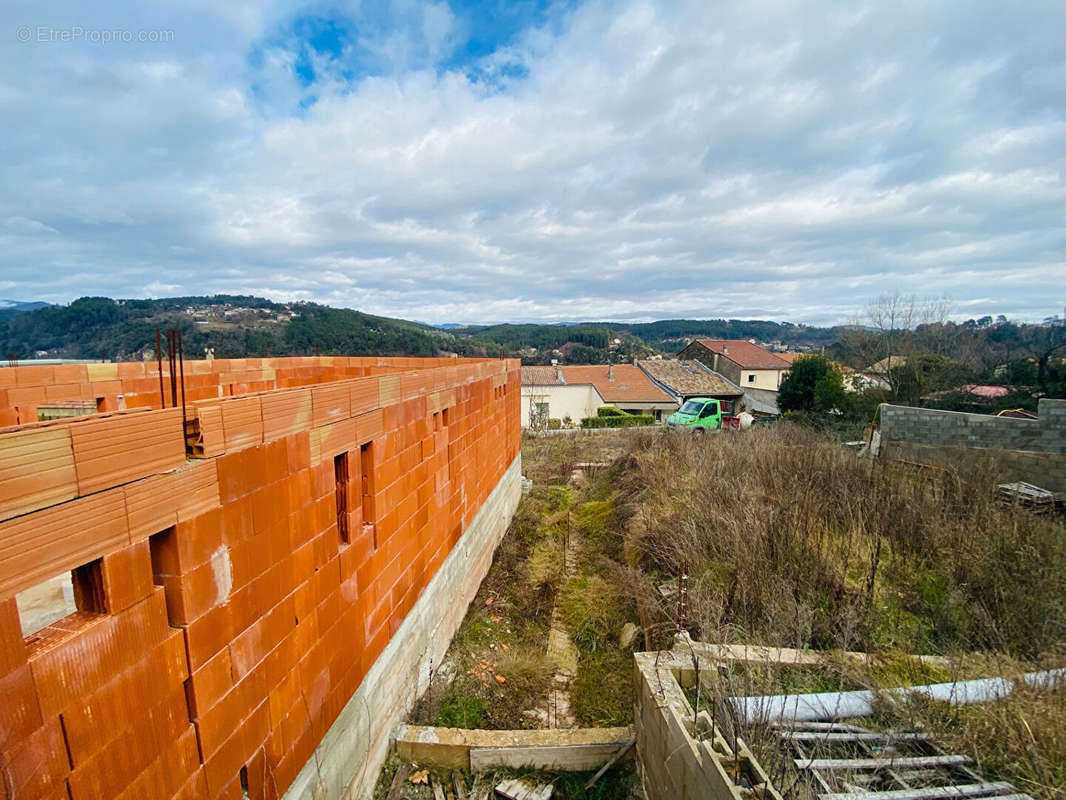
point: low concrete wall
(681, 755)
(1029, 450)
(347, 760)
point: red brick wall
(229, 622)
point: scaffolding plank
(881, 763)
(829, 736)
(990, 790)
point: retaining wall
(1029, 450)
(238, 609)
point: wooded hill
(235, 326)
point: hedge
(622, 421)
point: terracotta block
(34, 375)
(94, 720)
(298, 452)
(275, 461)
(199, 489)
(36, 470)
(194, 788)
(113, 450)
(149, 733)
(206, 636)
(225, 764)
(286, 413)
(330, 403)
(37, 765)
(242, 422)
(130, 370)
(12, 646)
(331, 440)
(192, 543)
(83, 652)
(210, 683)
(66, 392)
(46, 543)
(195, 593)
(370, 426)
(252, 645)
(364, 395)
(389, 388)
(127, 576)
(237, 521)
(212, 434)
(151, 504)
(20, 714)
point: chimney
(725, 349)
(610, 372)
(715, 367)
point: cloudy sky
(507, 161)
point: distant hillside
(595, 342)
(235, 326)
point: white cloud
(629, 159)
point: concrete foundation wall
(346, 762)
(1029, 450)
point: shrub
(615, 418)
(554, 424)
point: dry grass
(790, 540)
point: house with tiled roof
(685, 379)
(624, 386)
(740, 361)
(558, 392)
(547, 395)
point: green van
(698, 414)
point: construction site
(331, 577)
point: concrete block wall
(230, 607)
(682, 755)
(1030, 450)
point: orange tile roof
(629, 384)
(744, 353)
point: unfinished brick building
(260, 591)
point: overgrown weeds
(790, 540)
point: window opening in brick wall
(80, 590)
(163, 548)
(340, 475)
(366, 472)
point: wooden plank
(881, 763)
(568, 758)
(514, 789)
(930, 792)
(396, 787)
(614, 760)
